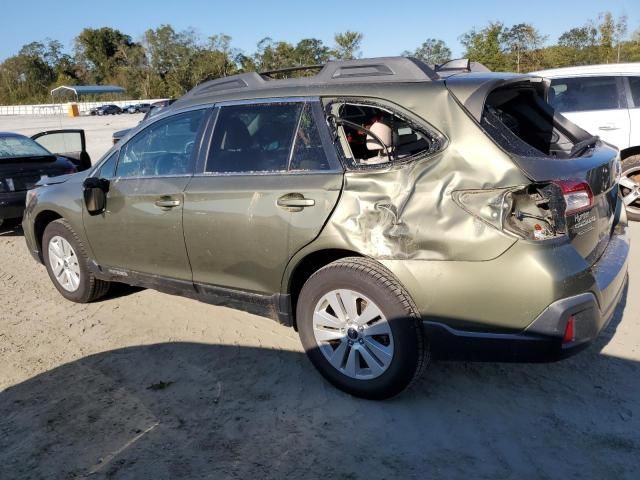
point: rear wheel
(630, 186)
(67, 264)
(360, 328)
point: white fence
(63, 108)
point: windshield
(16, 146)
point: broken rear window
(373, 135)
(520, 120)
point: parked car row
(111, 109)
(154, 109)
(364, 206)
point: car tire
(66, 261)
(631, 171)
(374, 357)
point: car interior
(519, 119)
(253, 138)
(162, 149)
(375, 135)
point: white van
(605, 101)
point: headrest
(383, 132)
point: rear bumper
(12, 204)
(542, 340)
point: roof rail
(459, 65)
(359, 71)
(268, 73)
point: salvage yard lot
(147, 385)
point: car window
(308, 151)
(634, 85)
(108, 168)
(15, 146)
(373, 135)
(164, 148)
(253, 138)
(584, 94)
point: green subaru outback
(385, 209)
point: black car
(108, 110)
(25, 161)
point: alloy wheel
(630, 189)
(353, 334)
(64, 263)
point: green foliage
(347, 45)
(432, 51)
(168, 63)
(486, 46)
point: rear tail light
(569, 331)
(533, 212)
(577, 196)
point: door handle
(610, 126)
(167, 203)
(295, 200)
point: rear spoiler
(459, 65)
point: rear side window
(254, 138)
(163, 149)
(584, 94)
(634, 85)
(373, 135)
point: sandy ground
(146, 385)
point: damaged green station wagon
(385, 209)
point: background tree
(523, 40)
(432, 51)
(486, 46)
(166, 62)
(347, 45)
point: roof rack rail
(339, 72)
(268, 73)
(459, 65)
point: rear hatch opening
(573, 191)
(519, 119)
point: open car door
(70, 144)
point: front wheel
(360, 328)
(67, 264)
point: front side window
(584, 94)
(108, 167)
(163, 149)
(254, 138)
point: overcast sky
(389, 27)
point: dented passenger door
(266, 188)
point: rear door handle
(295, 200)
(609, 126)
(167, 203)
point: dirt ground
(147, 385)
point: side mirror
(95, 194)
